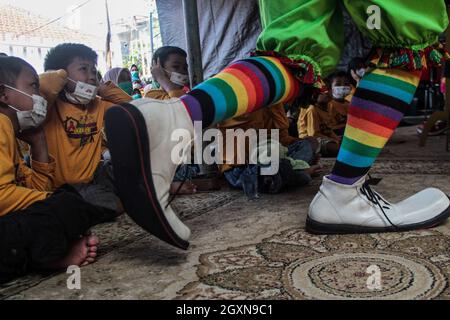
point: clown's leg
(346, 203)
(140, 136)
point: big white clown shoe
(140, 141)
(350, 209)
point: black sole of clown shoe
(129, 144)
(318, 228)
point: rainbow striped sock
(377, 108)
(244, 87)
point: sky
(93, 17)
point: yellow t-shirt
(338, 114)
(74, 138)
(275, 118)
(339, 111)
(160, 94)
(315, 122)
(20, 186)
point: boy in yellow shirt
(314, 121)
(77, 106)
(38, 229)
(170, 80)
(327, 118)
(170, 74)
(338, 107)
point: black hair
(62, 55)
(3, 54)
(356, 63)
(10, 69)
(163, 54)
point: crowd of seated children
(48, 205)
(298, 157)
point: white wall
(34, 52)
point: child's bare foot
(187, 188)
(82, 253)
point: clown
(301, 43)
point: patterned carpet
(124, 232)
(297, 265)
(244, 249)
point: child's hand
(32, 136)
(103, 88)
(158, 72)
(51, 84)
(38, 144)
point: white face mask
(341, 92)
(84, 93)
(360, 73)
(179, 78)
(32, 118)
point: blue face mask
(136, 96)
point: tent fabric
(229, 30)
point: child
(138, 84)
(338, 106)
(170, 74)
(327, 119)
(167, 62)
(314, 121)
(76, 119)
(38, 229)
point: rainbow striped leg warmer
(244, 87)
(377, 108)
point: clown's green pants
(314, 29)
(311, 32)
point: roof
(17, 22)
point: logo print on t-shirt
(82, 129)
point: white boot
(143, 130)
(344, 209)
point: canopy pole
(193, 41)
